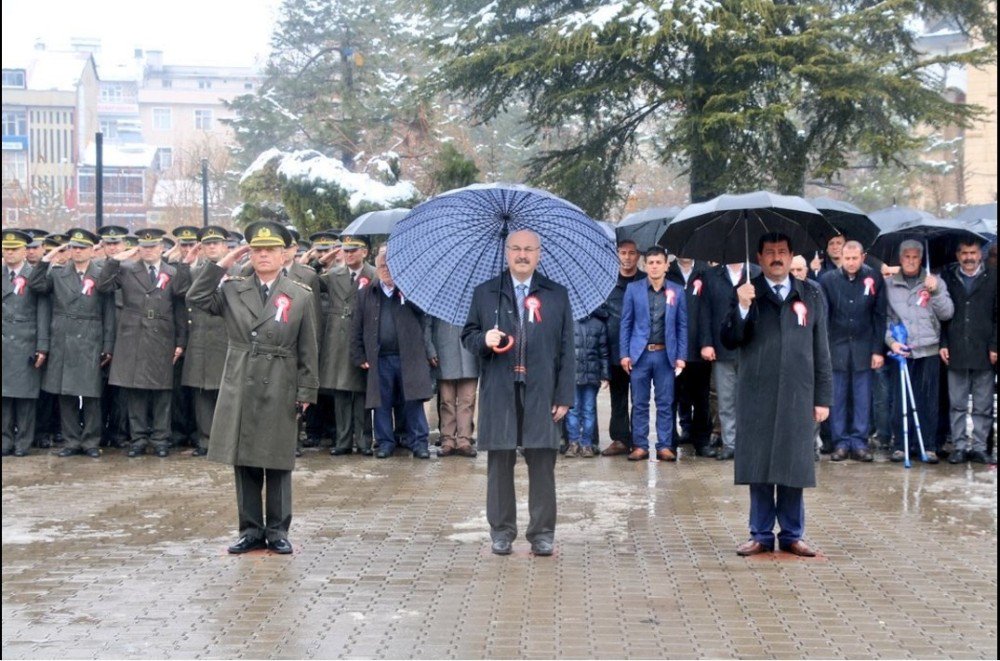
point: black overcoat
(694, 295)
(971, 333)
(717, 298)
(784, 373)
(550, 362)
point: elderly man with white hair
(919, 301)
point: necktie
(10, 272)
(777, 290)
(264, 292)
(152, 275)
(522, 293)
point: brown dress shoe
(445, 450)
(752, 547)
(840, 454)
(466, 451)
(616, 448)
(638, 454)
(666, 454)
(798, 547)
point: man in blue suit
(654, 343)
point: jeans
(390, 381)
(580, 419)
(653, 369)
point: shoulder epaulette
(302, 284)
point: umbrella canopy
(984, 226)
(375, 222)
(940, 239)
(852, 222)
(646, 227)
(726, 229)
(895, 215)
(978, 212)
(608, 228)
(451, 243)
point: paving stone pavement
(126, 558)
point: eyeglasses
(525, 249)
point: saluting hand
(48, 257)
(329, 257)
(126, 254)
(746, 293)
(193, 254)
(233, 256)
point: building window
(120, 187)
(15, 122)
(203, 120)
(164, 158)
(112, 93)
(204, 84)
(13, 78)
(109, 127)
(248, 86)
(161, 119)
(166, 83)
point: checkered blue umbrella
(451, 243)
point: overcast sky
(223, 32)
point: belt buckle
(150, 314)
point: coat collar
(504, 284)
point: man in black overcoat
(525, 389)
(785, 382)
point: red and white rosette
(19, 285)
(534, 308)
(671, 296)
(869, 286)
(282, 304)
(88, 286)
(801, 312)
(696, 287)
(923, 298)
(162, 281)
(363, 282)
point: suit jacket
(719, 296)
(694, 295)
(634, 334)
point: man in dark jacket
(785, 384)
(525, 389)
(720, 283)
(969, 349)
(619, 385)
(692, 398)
(855, 296)
(388, 342)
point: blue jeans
(924, 375)
(770, 503)
(850, 413)
(580, 419)
(390, 382)
(653, 369)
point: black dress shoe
(957, 457)
(705, 451)
(541, 548)
(382, 454)
(863, 456)
(94, 453)
(298, 452)
(162, 452)
(282, 546)
(69, 452)
(245, 544)
(7, 453)
(725, 454)
(422, 453)
(311, 443)
(44, 443)
(367, 452)
(980, 457)
(135, 452)
(340, 452)
(199, 452)
(840, 454)
(20, 453)
(501, 547)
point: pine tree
(744, 93)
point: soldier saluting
(270, 371)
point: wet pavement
(126, 558)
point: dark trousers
(620, 427)
(692, 403)
(653, 369)
(250, 482)
(149, 418)
(183, 427)
(203, 402)
(320, 419)
(81, 425)
(350, 414)
(925, 375)
(390, 381)
(18, 423)
(851, 410)
(770, 503)
(114, 415)
(47, 418)
(882, 401)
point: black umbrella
(939, 237)
(646, 227)
(727, 228)
(895, 215)
(852, 222)
(978, 212)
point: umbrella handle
(504, 348)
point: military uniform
(114, 407)
(271, 363)
(183, 421)
(83, 328)
(151, 324)
(26, 317)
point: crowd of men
(101, 349)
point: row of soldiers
(98, 339)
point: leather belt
(258, 349)
(655, 347)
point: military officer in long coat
(114, 407)
(205, 355)
(26, 318)
(270, 371)
(82, 339)
(785, 386)
(151, 336)
(525, 392)
(337, 372)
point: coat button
(253, 333)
